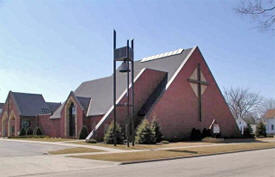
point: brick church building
(176, 88)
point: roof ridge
(28, 93)
(162, 55)
(96, 79)
(52, 102)
(82, 97)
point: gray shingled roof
(1, 107)
(101, 90)
(84, 101)
(31, 105)
(53, 106)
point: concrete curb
(181, 157)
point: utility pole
(133, 96)
(9, 113)
(114, 91)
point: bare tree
(241, 102)
(268, 103)
(263, 11)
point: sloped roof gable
(101, 90)
(269, 114)
(31, 105)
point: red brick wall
(149, 79)
(92, 121)
(80, 116)
(177, 110)
(12, 107)
(49, 127)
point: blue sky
(50, 47)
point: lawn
(178, 153)
(74, 150)
(143, 146)
(174, 144)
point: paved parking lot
(15, 149)
(29, 159)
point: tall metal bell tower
(126, 56)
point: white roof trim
(180, 67)
(112, 107)
(89, 107)
(162, 55)
(54, 116)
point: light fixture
(124, 67)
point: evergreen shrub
(145, 134)
(83, 133)
(109, 134)
(260, 130)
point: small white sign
(216, 128)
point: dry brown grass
(74, 150)
(143, 146)
(174, 153)
(267, 138)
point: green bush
(83, 133)
(156, 129)
(29, 131)
(195, 134)
(22, 132)
(260, 130)
(37, 131)
(206, 133)
(145, 134)
(109, 134)
(248, 132)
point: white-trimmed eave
(180, 67)
(112, 107)
(53, 116)
(62, 105)
(76, 100)
(15, 102)
(89, 107)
